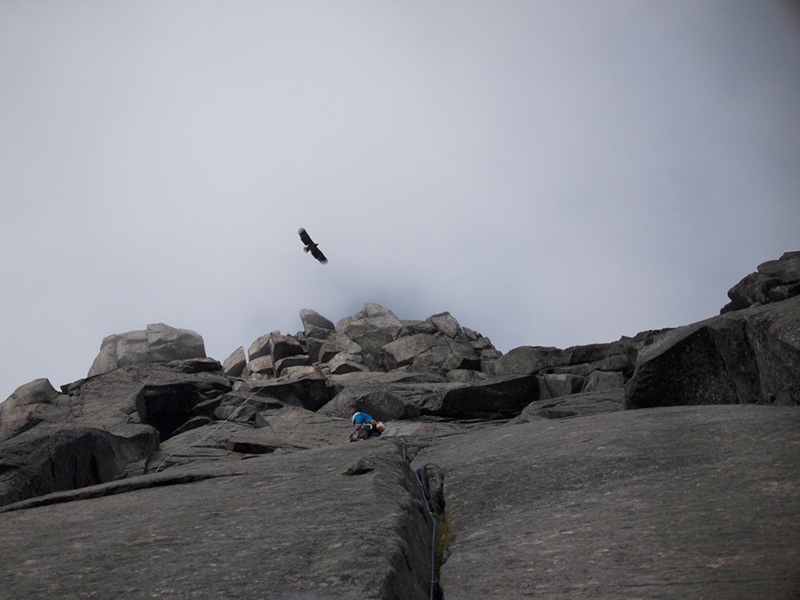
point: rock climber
(365, 427)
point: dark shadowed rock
(746, 356)
(117, 402)
(774, 281)
(34, 464)
(284, 346)
(497, 398)
(167, 406)
(308, 389)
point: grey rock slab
(745, 356)
(690, 502)
(288, 527)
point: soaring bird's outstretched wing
(310, 246)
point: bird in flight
(310, 246)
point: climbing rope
(233, 414)
(433, 521)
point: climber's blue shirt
(361, 418)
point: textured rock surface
(668, 503)
(298, 527)
(746, 356)
(156, 343)
(541, 484)
(774, 281)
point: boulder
(313, 322)
(383, 402)
(404, 350)
(276, 345)
(163, 395)
(30, 404)
(235, 363)
(447, 324)
(305, 388)
(496, 398)
(528, 359)
(372, 328)
(283, 346)
(262, 366)
(774, 281)
(745, 356)
(155, 344)
(346, 363)
(261, 346)
(433, 353)
(334, 344)
(294, 360)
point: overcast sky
(551, 172)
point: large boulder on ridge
(372, 328)
(157, 343)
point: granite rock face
(744, 356)
(497, 476)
